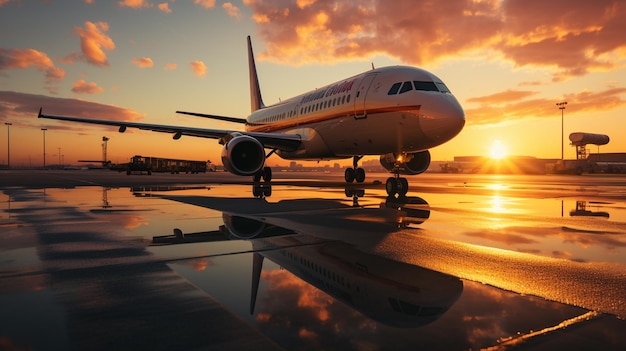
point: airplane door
(360, 110)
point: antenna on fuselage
(256, 101)
(373, 66)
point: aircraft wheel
(403, 186)
(256, 177)
(267, 174)
(257, 191)
(391, 186)
(359, 175)
(349, 175)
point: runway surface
(101, 260)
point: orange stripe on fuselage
(302, 122)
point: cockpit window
(426, 86)
(394, 89)
(407, 86)
(403, 87)
(442, 87)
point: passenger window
(348, 99)
(394, 89)
(425, 86)
(407, 86)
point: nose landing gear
(397, 185)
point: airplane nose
(443, 120)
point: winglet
(256, 101)
(40, 114)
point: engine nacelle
(241, 227)
(415, 163)
(243, 155)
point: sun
(498, 150)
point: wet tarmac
(100, 260)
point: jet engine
(241, 227)
(243, 155)
(409, 164)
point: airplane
(396, 112)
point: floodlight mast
(561, 106)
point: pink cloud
(135, 4)
(165, 7)
(199, 68)
(142, 62)
(82, 87)
(170, 66)
(205, 3)
(573, 38)
(24, 58)
(93, 42)
(231, 10)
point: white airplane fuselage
(361, 116)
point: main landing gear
(355, 173)
(262, 189)
(397, 185)
(265, 173)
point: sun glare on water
(498, 150)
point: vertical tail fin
(257, 267)
(256, 101)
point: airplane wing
(221, 118)
(287, 142)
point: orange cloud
(142, 62)
(4, 2)
(205, 3)
(82, 87)
(574, 39)
(24, 105)
(93, 42)
(165, 7)
(170, 66)
(199, 68)
(231, 10)
(511, 105)
(505, 96)
(135, 4)
(307, 296)
(24, 58)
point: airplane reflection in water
(328, 257)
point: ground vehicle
(149, 164)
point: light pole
(561, 106)
(8, 124)
(44, 147)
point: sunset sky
(507, 61)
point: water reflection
(327, 257)
(584, 209)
